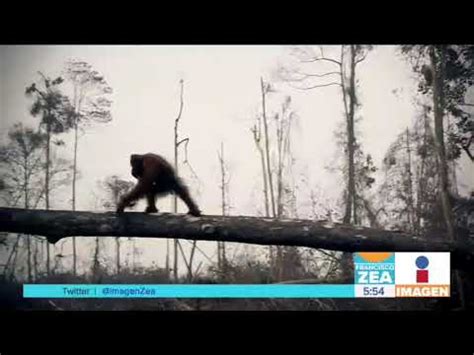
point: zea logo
(374, 274)
(422, 274)
(374, 268)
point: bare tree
(175, 198)
(438, 62)
(264, 151)
(257, 136)
(16, 188)
(91, 104)
(446, 72)
(21, 165)
(265, 89)
(225, 178)
(341, 72)
(286, 258)
(115, 187)
(177, 143)
(56, 114)
(275, 141)
(411, 184)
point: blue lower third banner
(376, 275)
(188, 291)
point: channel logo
(422, 274)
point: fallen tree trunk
(55, 225)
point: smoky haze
(221, 101)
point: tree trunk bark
(56, 225)
(438, 66)
(96, 262)
(351, 140)
(28, 238)
(411, 214)
(351, 208)
(438, 103)
(421, 177)
(191, 260)
(273, 263)
(267, 148)
(175, 204)
(48, 147)
(175, 198)
(74, 174)
(117, 259)
(265, 183)
(167, 259)
(221, 245)
(35, 260)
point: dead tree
(56, 225)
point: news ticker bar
(188, 291)
(230, 291)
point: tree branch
(182, 141)
(56, 225)
(361, 59)
(319, 75)
(329, 255)
(306, 76)
(466, 149)
(318, 59)
(319, 86)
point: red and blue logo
(422, 273)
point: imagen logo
(422, 274)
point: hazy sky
(222, 97)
